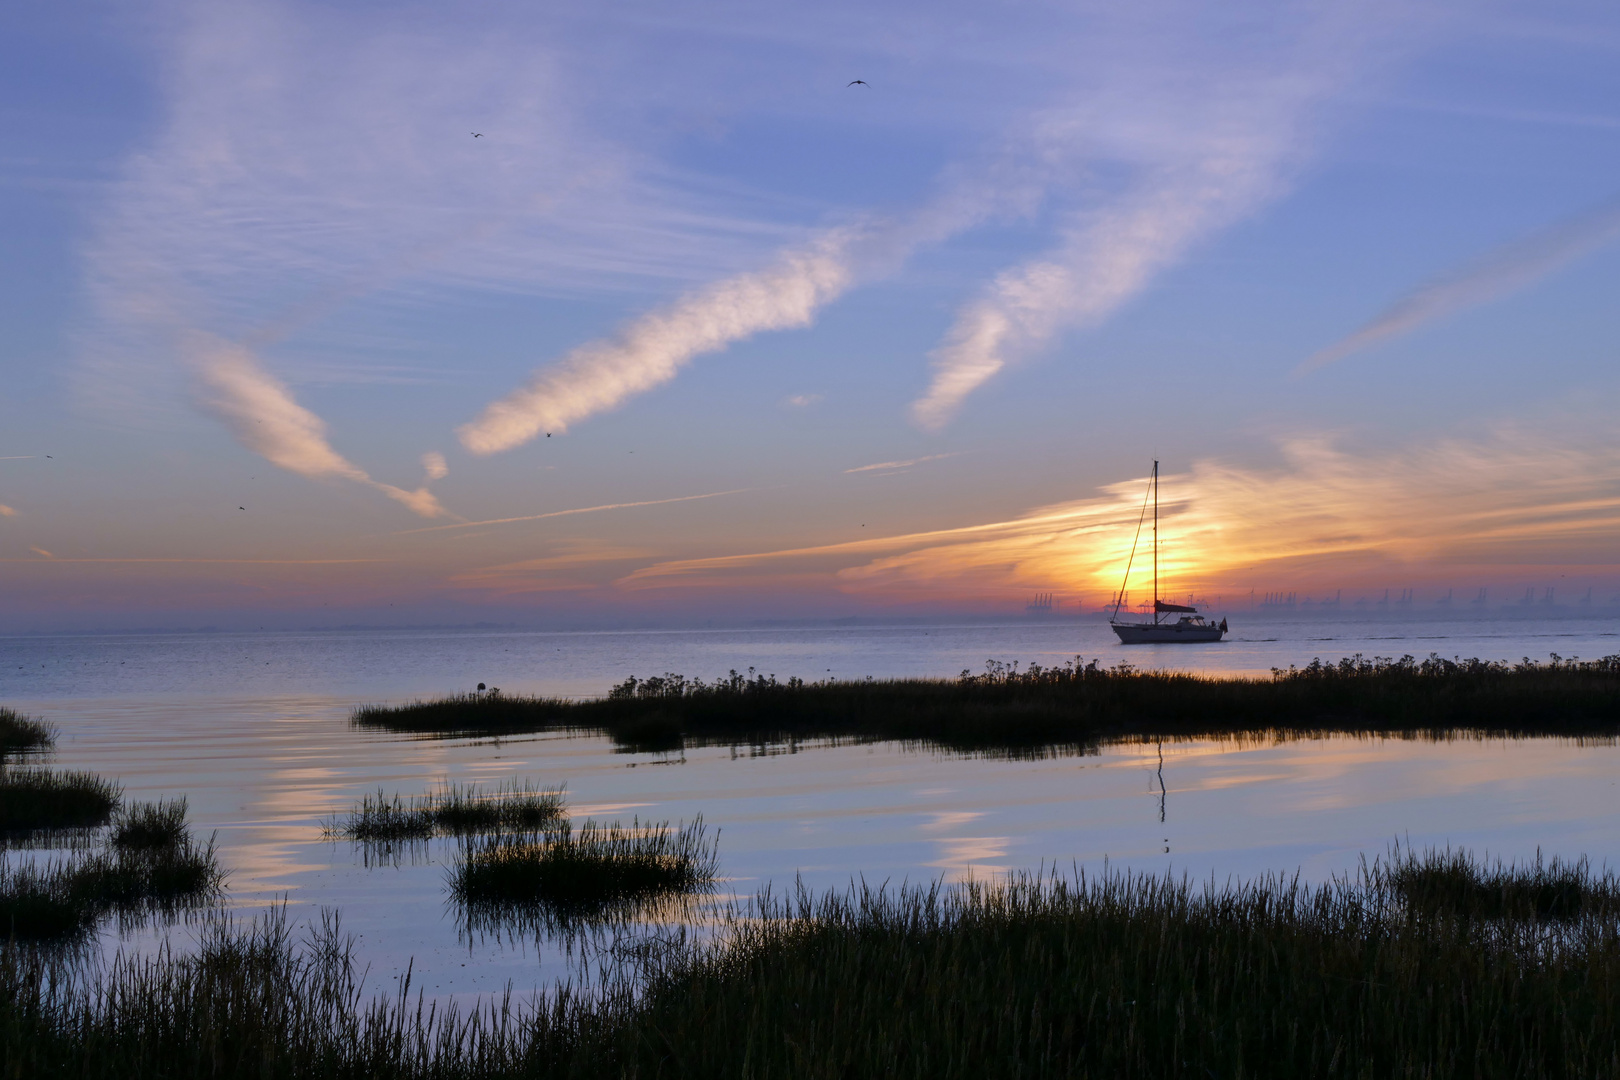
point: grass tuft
(34, 799)
(453, 810)
(20, 734)
(594, 867)
(151, 825)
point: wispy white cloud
(1196, 148)
(7, 511)
(802, 401)
(434, 465)
(260, 411)
(1503, 271)
(313, 159)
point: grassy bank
(1112, 976)
(1078, 705)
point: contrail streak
(578, 510)
(886, 465)
(1503, 271)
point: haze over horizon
(386, 313)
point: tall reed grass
(1075, 706)
(1114, 975)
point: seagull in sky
(858, 82)
(478, 134)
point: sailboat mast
(1155, 541)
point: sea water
(253, 729)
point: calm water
(253, 729)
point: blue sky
(271, 308)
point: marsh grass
(161, 878)
(151, 868)
(588, 869)
(1075, 707)
(1114, 975)
(145, 826)
(1452, 883)
(20, 734)
(40, 903)
(35, 799)
(454, 810)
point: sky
(647, 313)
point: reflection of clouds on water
(962, 857)
(594, 809)
(949, 819)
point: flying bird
(858, 82)
(478, 134)
(241, 508)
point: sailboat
(1191, 627)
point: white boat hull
(1166, 633)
